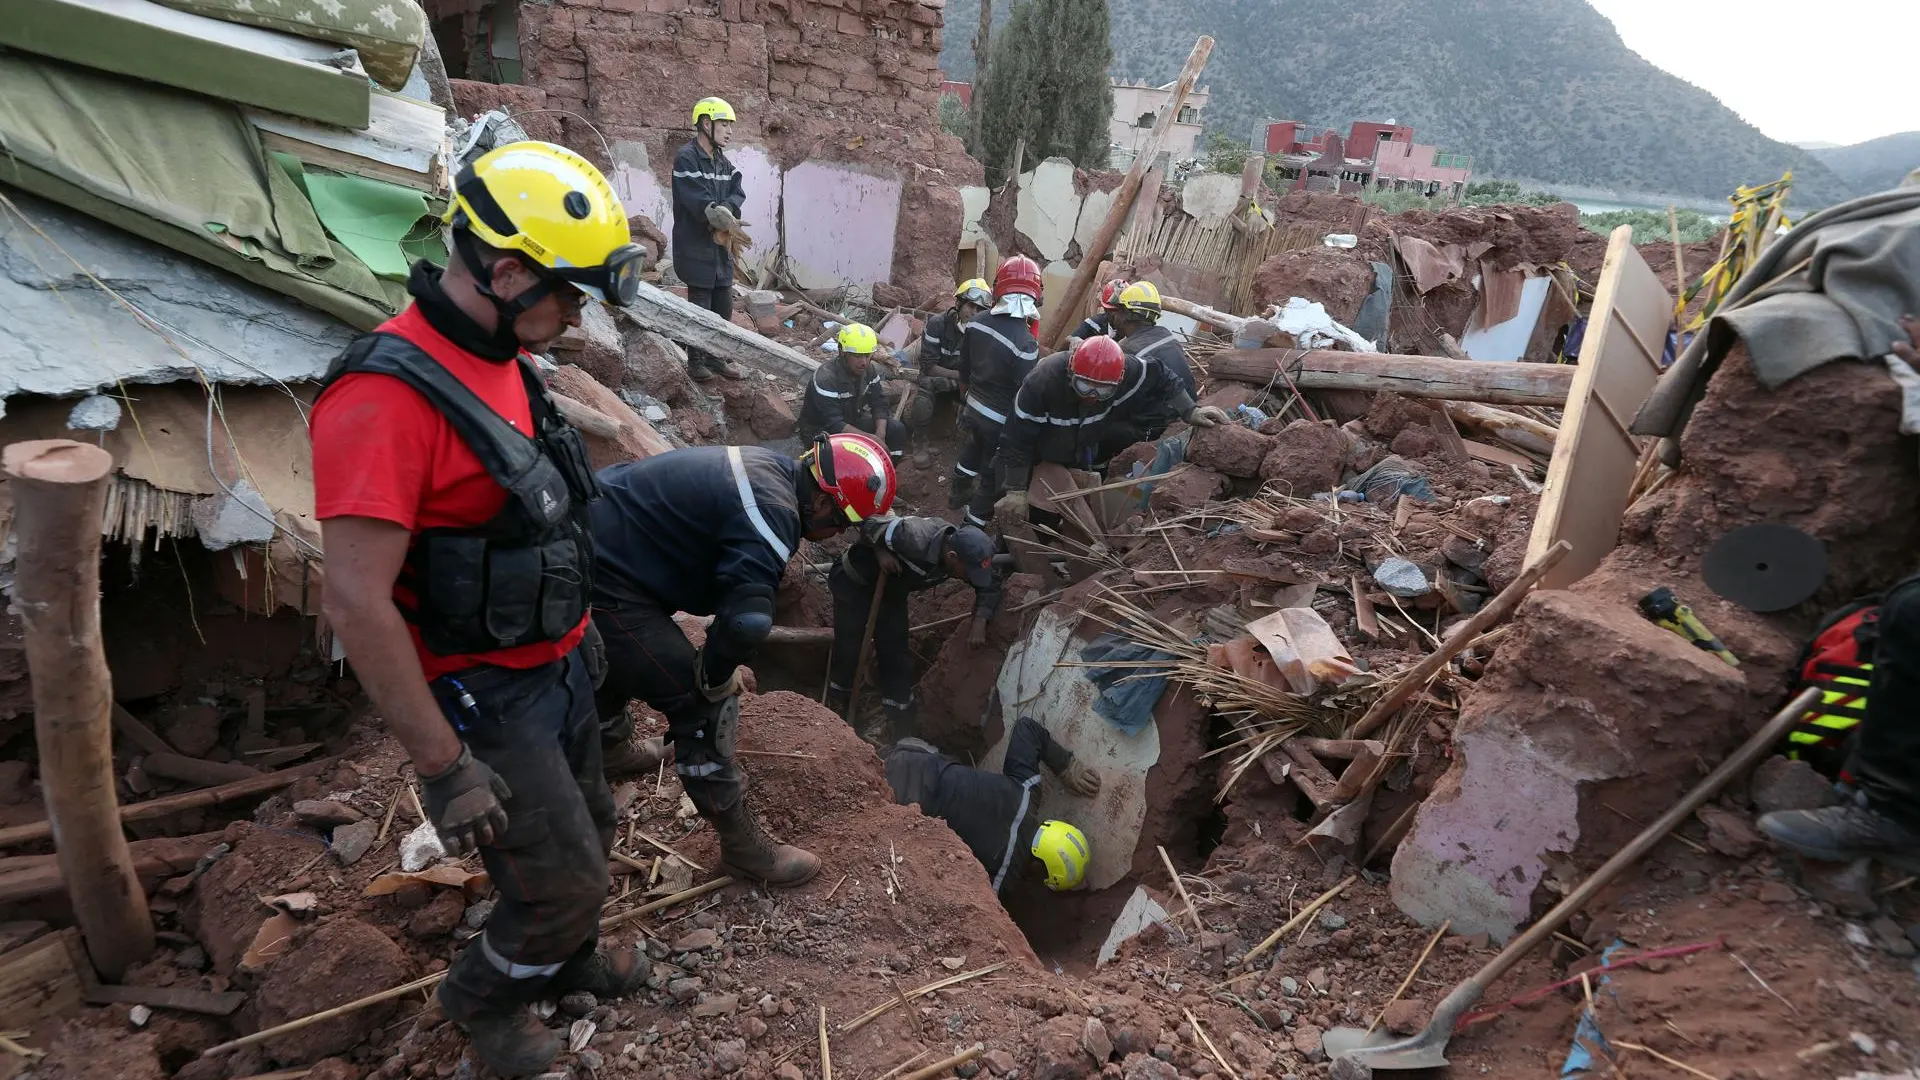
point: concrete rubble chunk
(1402, 578)
(325, 813)
(1233, 449)
(1729, 833)
(1095, 1041)
(1781, 783)
(1529, 757)
(351, 842)
(237, 516)
(1847, 886)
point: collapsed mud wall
(841, 84)
(1590, 716)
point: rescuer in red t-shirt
(453, 502)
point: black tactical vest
(523, 577)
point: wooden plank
(405, 142)
(697, 328)
(187, 800)
(228, 61)
(1497, 455)
(1495, 382)
(41, 979)
(1363, 613)
(32, 877)
(204, 1002)
(1066, 313)
(1594, 458)
(137, 732)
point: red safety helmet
(1018, 276)
(855, 471)
(1110, 290)
(1097, 367)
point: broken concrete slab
(697, 328)
(1211, 197)
(1140, 912)
(226, 329)
(1588, 704)
(1093, 211)
(1048, 208)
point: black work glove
(463, 802)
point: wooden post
(60, 490)
(1066, 311)
(1493, 381)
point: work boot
(699, 371)
(726, 368)
(1845, 833)
(960, 493)
(902, 720)
(513, 1044)
(607, 974)
(628, 758)
(836, 700)
(749, 852)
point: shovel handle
(1742, 759)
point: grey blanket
(1832, 289)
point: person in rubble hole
(917, 553)
(709, 530)
(846, 394)
(453, 505)
(993, 812)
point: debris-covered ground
(1748, 964)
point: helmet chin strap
(509, 311)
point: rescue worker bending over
(846, 393)
(993, 813)
(1075, 412)
(996, 352)
(708, 530)
(917, 553)
(1099, 324)
(1136, 322)
(453, 503)
(707, 197)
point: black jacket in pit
(992, 812)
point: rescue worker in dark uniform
(992, 812)
(917, 553)
(1100, 323)
(1880, 816)
(707, 197)
(996, 352)
(1136, 322)
(453, 504)
(937, 367)
(846, 394)
(708, 530)
(1076, 411)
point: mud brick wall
(854, 81)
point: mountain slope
(1543, 89)
(1876, 164)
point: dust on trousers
(539, 731)
(650, 660)
(852, 600)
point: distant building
(1380, 155)
(961, 90)
(1137, 107)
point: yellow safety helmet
(1064, 850)
(857, 338)
(975, 291)
(711, 108)
(552, 206)
(1140, 298)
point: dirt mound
(343, 960)
(1333, 278)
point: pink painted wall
(840, 225)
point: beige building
(1137, 107)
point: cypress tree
(1046, 82)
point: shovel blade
(1358, 1054)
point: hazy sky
(1838, 71)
